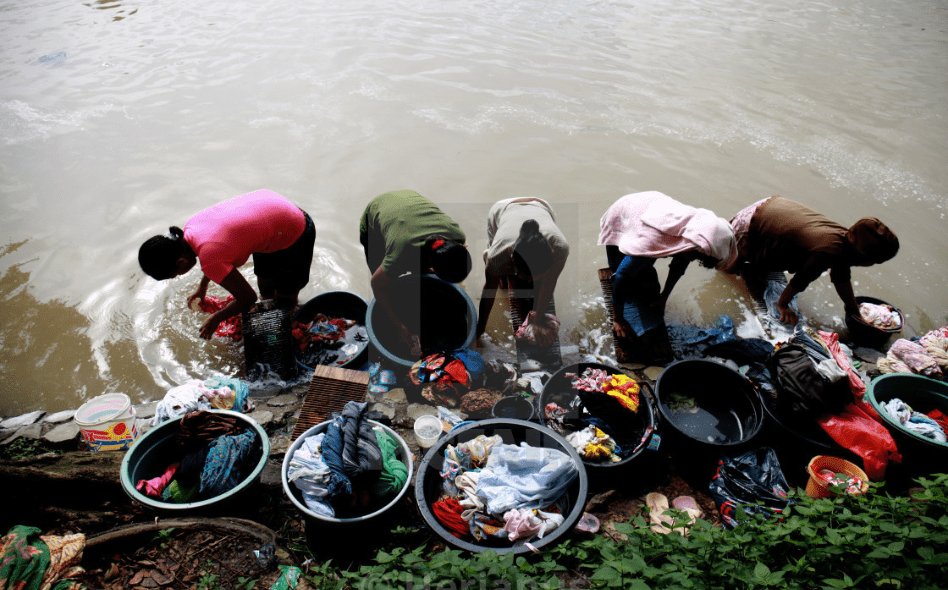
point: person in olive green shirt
(403, 232)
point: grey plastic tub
(325, 521)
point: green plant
(245, 583)
(24, 448)
(208, 579)
(872, 541)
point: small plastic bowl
(428, 430)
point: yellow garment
(601, 447)
(624, 389)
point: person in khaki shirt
(525, 248)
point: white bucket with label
(107, 422)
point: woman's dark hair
(450, 261)
(158, 256)
(532, 254)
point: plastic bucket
(817, 487)
(865, 334)
(639, 426)
(335, 304)
(441, 313)
(920, 455)
(513, 432)
(156, 450)
(107, 423)
(728, 412)
(353, 522)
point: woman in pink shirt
(278, 234)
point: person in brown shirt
(779, 234)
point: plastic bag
(539, 334)
(747, 479)
(859, 429)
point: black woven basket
(268, 342)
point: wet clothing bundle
(538, 333)
(30, 561)
(347, 466)
(928, 356)
(880, 316)
(231, 327)
(492, 490)
(593, 444)
(199, 429)
(446, 377)
(905, 356)
(218, 392)
(917, 422)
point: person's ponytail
(158, 256)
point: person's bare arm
(488, 296)
(381, 283)
(244, 298)
(200, 292)
(787, 315)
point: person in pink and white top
(637, 230)
(279, 235)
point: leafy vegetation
(23, 448)
(872, 541)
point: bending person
(778, 234)
(525, 249)
(401, 232)
(278, 234)
(637, 230)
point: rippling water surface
(118, 119)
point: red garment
(941, 418)
(229, 328)
(860, 430)
(448, 512)
(831, 339)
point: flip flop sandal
(657, 505)
(688, 505)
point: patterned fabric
(226, 464)
(29, 561)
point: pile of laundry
(329, 341)
(933, 425)
(212, 453)
(880, 315)
(599, 421)
(220, 393)
(501, 493)
(927, 356)
(350, 469)
(446, 377)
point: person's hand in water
(787, 315)
(622, 329)
(411, 341)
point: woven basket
(817, 487)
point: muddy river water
(120, 118)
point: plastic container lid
(103, 409)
